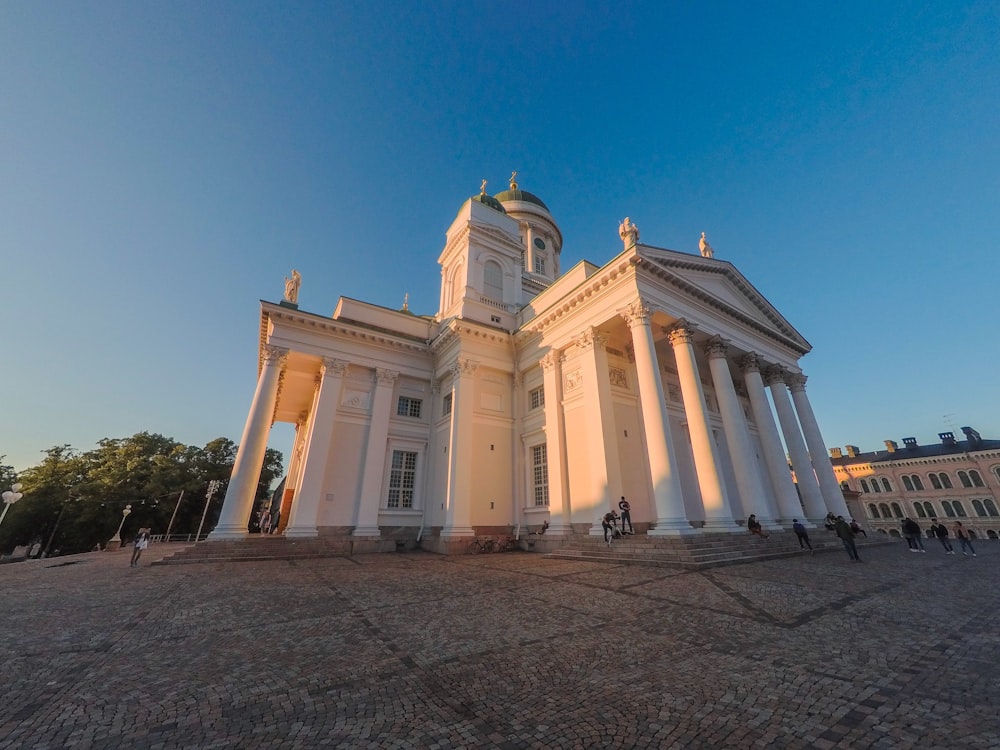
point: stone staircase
(268, 548)
(701, 551)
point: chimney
(836, 453)
(891, 446)
(947, 438)
(973, 437)
(910, 442)
(853, 450)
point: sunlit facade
(538, 394)
(952, 480)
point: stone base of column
(368, 531)
(672, 527)
(722, 526)
(559, 529)
(227, 532)
(456, 532)
(301, 532)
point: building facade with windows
(952, 480)
(536, 394)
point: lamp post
(10, 497)
(118, 534)
(170, 525)
(212, 487)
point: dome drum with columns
(538, 395)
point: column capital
(590, 339)
(750, 362)
(385, 377)
(775, 374)
(550, 360)
(463, 366)
(336, 367)
(274, 355)
(302, 418)
(637, 313)
(682, 332)
(716, 348)
(796, 381)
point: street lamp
(118, 534)
(10, 497)
(213, 487)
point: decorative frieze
(574, 379)
(617, 377)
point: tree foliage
(73, 500)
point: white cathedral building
(537, 394)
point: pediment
(718, 283)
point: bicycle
(505, 544)
(481, 544)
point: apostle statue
(292, 287)
(629, 233)
(705, 248)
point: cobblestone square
(413, 650)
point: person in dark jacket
(941, 532)
(911, 530)
(962, 535)
(802, 534)
(843, 529)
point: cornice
(578, 296)
(462, 330)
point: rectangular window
(408, 407)
(536, 398)
(402, 478)
(539, 264)
(447, 404)
(540, 473)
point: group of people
(610, 522)
(915, 538)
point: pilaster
(370, 498)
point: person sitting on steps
(754, 527)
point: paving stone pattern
(413, 650)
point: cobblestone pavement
(513, 650)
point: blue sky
(163, 166)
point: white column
(832, 494)
(753, 497)
(671, 517)
(770, 443)
(370, 498)
(458, 509)
(718, 516)
(306, 503)
(517, 448)
(605, 474)
(555, 441)
(242, 490)
(812, 499)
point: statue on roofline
(629, 233)
(292, 287)
(705, 248)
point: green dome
(489, 200)
(520, 195)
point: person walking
(842, 529)
(803, 535)
(140, 543)
(962, 535)
(911, 530)
(626, 514)
(941, 532)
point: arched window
(977, 481)
(885, 485)
(991, 509)
(920, 510)
(977, 505)
(929, 510)
(907, 484)
(864, 485)
(945, 480)
(991, 534)
(897, 511)
(884, 510)
(935, 482)
(997, 472)
(959, 508)
(963, 477)
(948, 511)
(917, 484)
(873, 510)
(493, 280)
(875, 487)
